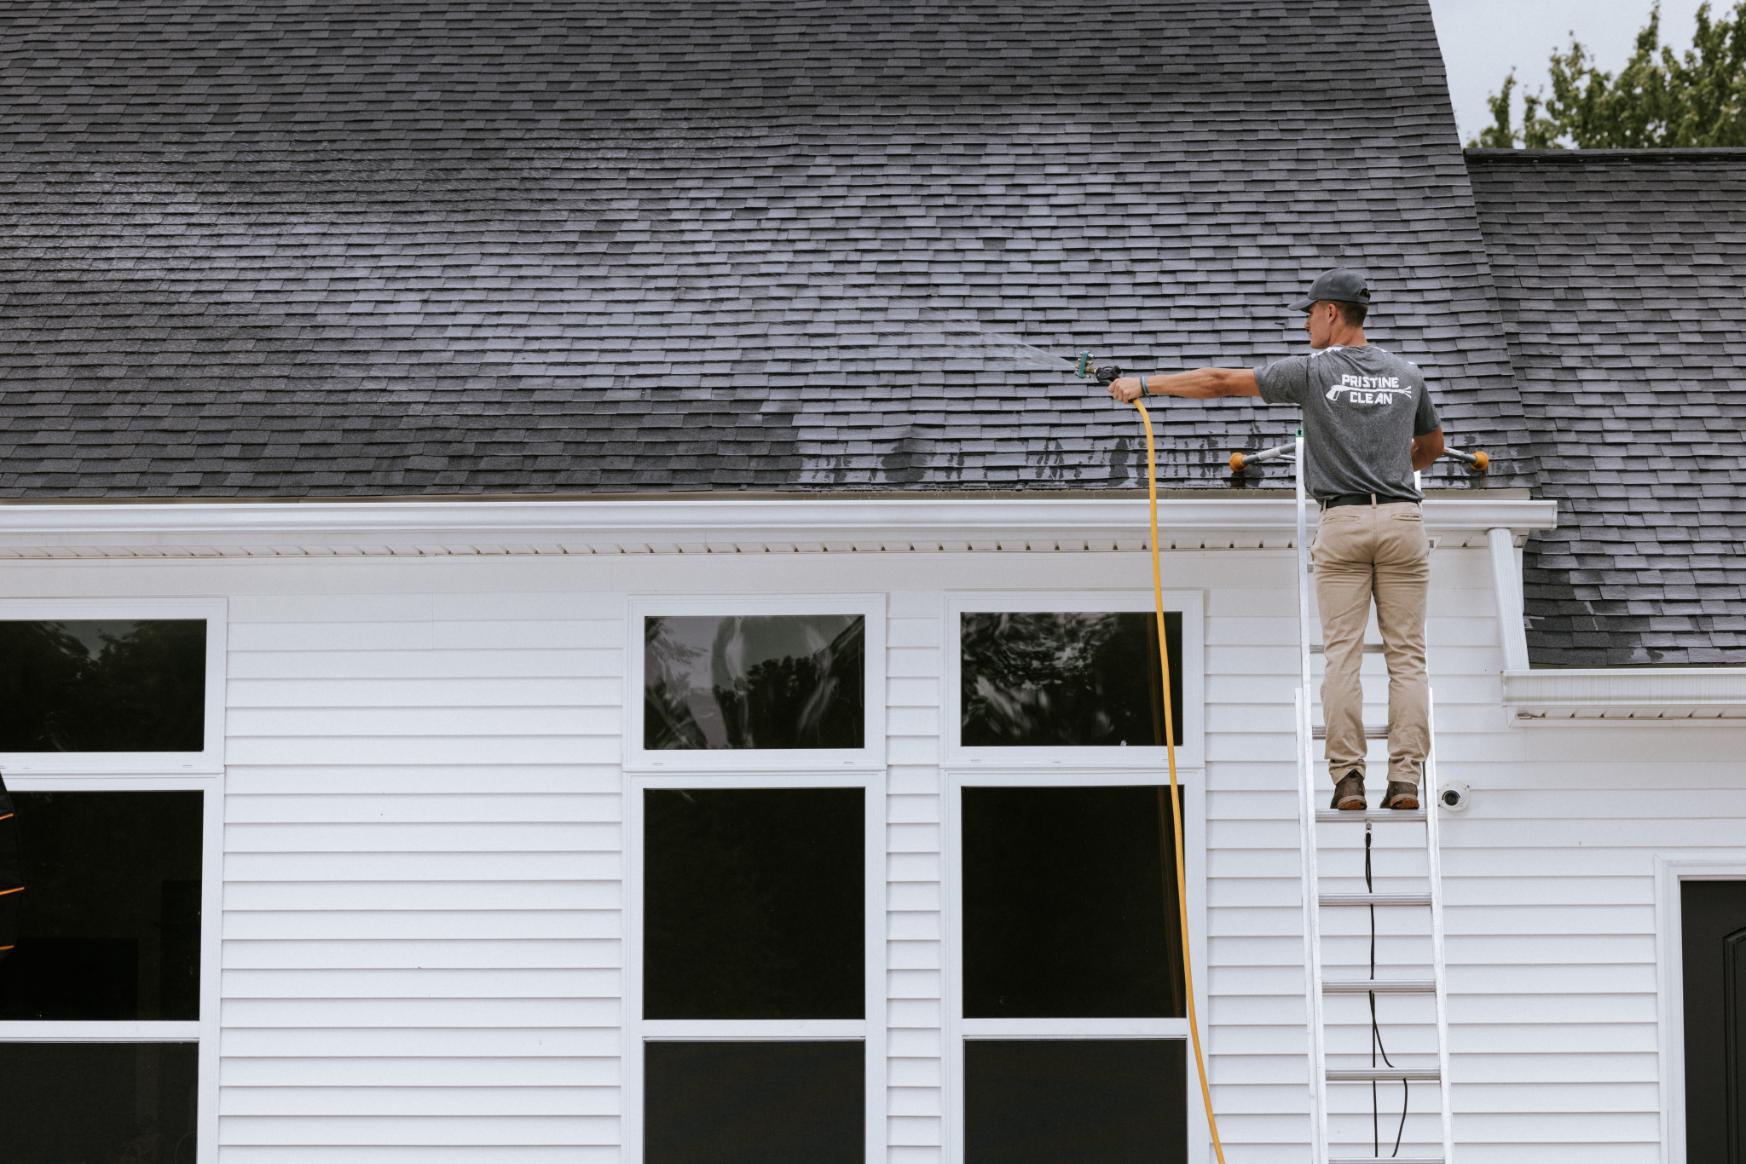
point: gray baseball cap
(1340, 285)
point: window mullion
(775, 1030)
(1075, 1028)
(100, 1032)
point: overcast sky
(1483, 39)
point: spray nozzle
(1105, 374)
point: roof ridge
(1655, 154)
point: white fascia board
(1669, 693)
(685, 525)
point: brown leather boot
(1401, 795)
(1349, 792)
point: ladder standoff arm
(1241, 461)
(1477, 461)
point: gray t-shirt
(1361, 409)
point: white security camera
(1454, 796)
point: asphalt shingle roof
(1623, 282)
(448, 247)
(321, 249)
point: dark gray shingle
(427, 246)
(1633, 375)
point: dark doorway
(1713, 922)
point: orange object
(1237, 462)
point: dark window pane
(754, 1103)
(754, 681)
(1048, 1101)
(11, 875)
(754, 904)
(110, 925)
(1713, 940)
(1084, 680)
(1070, 906)
(103, 686)
(98, 1103)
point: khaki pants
(1380, 552)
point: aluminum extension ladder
(1428, 904)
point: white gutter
(690, 526)
(895, 525)
(1681, 693)
(1671, 693)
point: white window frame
(868, 758)
(1191, 733)
(750, 770)
(1671, 871)
(1073, 767)
(203, 1031)
(870, 1031)
(147, 765)
(960, 1029)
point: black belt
(1340, 499)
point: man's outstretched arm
(1427, 447)
(1199, 384)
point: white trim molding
(757, 761)
(959, 1030)
(214, 612)
(687, 525)
(204, 1030)
(872, 1030)
(1670, 871)
(1506, 577)
(1190, 605)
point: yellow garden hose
(1212, 1122)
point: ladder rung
(1369, 648)
(1379, 986)
(1343, 899)
(1385, 1075)
(1372, 815)
(1374, 733)
(1385, 1160)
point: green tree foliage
(1660, 99)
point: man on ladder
(1369, 424)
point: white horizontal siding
(915, 986)
(423, 876)
(403, 1154)
(423, 894)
